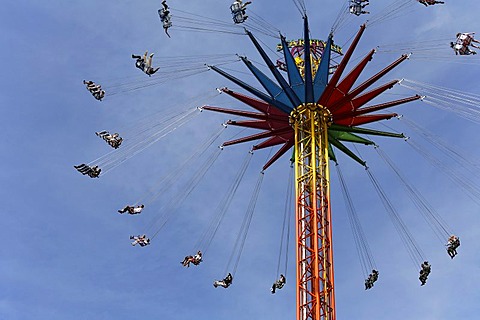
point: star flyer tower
(313, 114)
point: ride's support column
(315, 278)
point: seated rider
(238, 9)
(164, 15)
(91, 86)
(225, 283)
(144, 63)
(113, 140)
(92, 172)
(467, 38)
(426, 269)
(132, 209)
(427, 3)
(95, 89)
(99, 95)
(372, 277)
(136, 209)
(197, 258)
(95, 173)
(279, 283)
(116, 142)
(452, 245)
(141, 240)
(461, 49)
(356, 7)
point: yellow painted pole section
(317, 277)
(297, 211)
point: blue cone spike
(321, 77)
(252, 90)
(272, 88)
(281, 81)
(308, 63)
(294, 76)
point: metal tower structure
(315, 289)
(314, 114)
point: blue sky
(66, 252)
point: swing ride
(311, 107)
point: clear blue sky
(66, 252)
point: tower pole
(315, 278)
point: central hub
(299, 112)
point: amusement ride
(310, 107)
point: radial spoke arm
(321, 77)
(341, 67)
(349, 137)
(258, 136)
(253, 91)
(294, 76)
(308, 63)
(366, 131)
(236, 112)
(274, 141)
(288, 90)
(272, 88)
(279, 153)
(357, 121)
(366, 97)
(347, 83)
(367, 83)
(257, 124)
(331, 153)
(259, 105)
(345, 150)
(376, 107)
